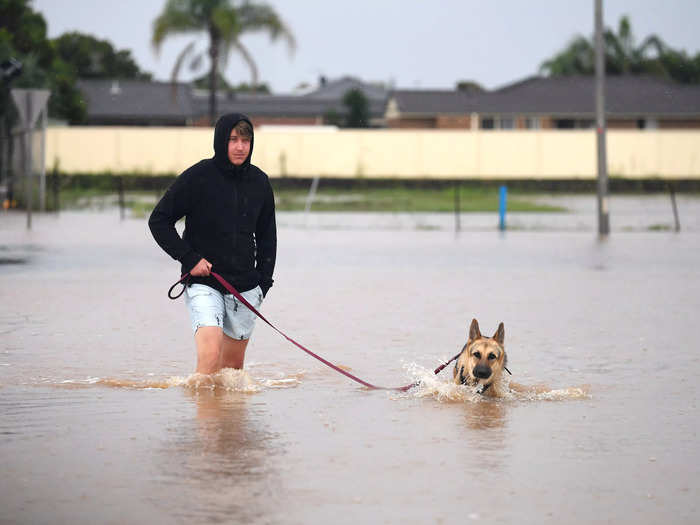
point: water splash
(228, 379)
(441, 388)
(445, 390)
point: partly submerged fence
(425, 154)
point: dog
(482, 362)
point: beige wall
(385, 153)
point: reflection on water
(220, 459)
(487, 414)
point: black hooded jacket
(229, 217)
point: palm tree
(622, 55)
(225, 22)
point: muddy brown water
(101, 422)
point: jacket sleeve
(266, 240)
(175, 204)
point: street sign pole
(30, 104)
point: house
(631, 102)
(145, 103)
(114, 102)
(443, 109)
(312, 108)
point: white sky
(410, 43)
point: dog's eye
(492, 356)
(477, 355)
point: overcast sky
(407, 43)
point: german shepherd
(482, 362)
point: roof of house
(625, 95)
(263, 105)
(430, 102)
(137, 100)
(575, 95)
(165, 102)
(336, 89)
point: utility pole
(603, 213)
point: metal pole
(502, 200)
(312, 194)
(42, 166)
(603, 213)
(28, 166)
(677, 221)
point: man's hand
(201, 269)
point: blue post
(503, 197)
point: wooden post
(55, 186)
(120, 188)
(458, 211)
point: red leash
(242, 299)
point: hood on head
(222, 132)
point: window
(565, 123)
(532, 123)
(506, 123)
(487, 123)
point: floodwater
(101, 421)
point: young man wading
(229, 212)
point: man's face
(238, 148)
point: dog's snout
(482, 372)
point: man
(229, 212)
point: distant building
(632, 102)
(144, 103)
(137, 103)
(311, 108)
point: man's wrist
(190, 260)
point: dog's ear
(500, 334)
(474, 332)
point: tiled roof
(336, 89)
(431, 102)
(257, 105)
(137, 100)
(162, 102)
(624, 95)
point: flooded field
(101, 421)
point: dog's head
(482, 359)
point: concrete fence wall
(543, 154)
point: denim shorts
(209, 307)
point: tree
(90, 57)
(623, 56)
(358, 109)
(56, 64)
(470, 86)
(23, 37)
(224, 22)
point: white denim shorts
(209, 307)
